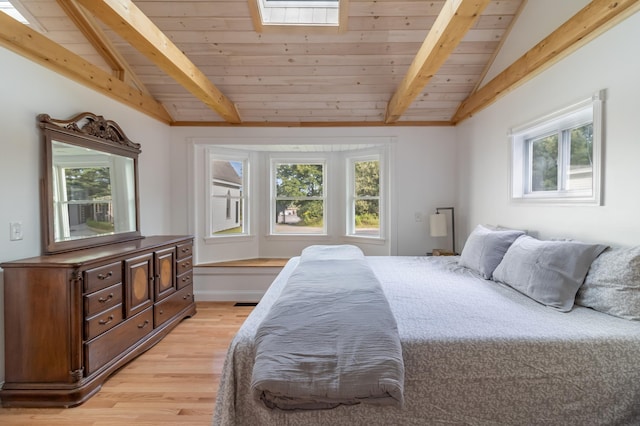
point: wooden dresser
(72, 319)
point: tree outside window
(89, 203)
(563, 161)
(299, 198)
(366, 198)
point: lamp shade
(438, 225)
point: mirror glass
(89, 183)
(93, 192)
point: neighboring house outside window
(556, 159)
(227, 204)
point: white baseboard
(209, 295)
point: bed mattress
(475, 353)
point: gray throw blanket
(330, 339)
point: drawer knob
(105, 276)
(186, 264)
(185, 279)
(107, 321)
(185, 250)
(186, 296)
(104, 299)
(144, 324)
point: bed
(476, 352)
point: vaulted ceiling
(390, 62)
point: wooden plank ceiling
(399, 61)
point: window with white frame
(364, 197)
(557, 158)
(298, 197)
(227, 208)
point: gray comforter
(330, 339)
(475, 353)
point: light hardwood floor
(173, 383)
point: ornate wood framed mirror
(89, 183)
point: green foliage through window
(87, 183)
(563, 160)
(299, 198)
(544, 164)
(366, 197)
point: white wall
(26, 90)
(538, 19)
(611, 62)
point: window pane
(367, 217)
(580, 171)
(226, 197)
(299, 180)
(544, 164)
(299, 217)
(299, 203)
(367, 178)
(89, 203)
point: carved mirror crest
(90, 183)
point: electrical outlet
(15, 231)
(418, 216)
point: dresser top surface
(88, 255)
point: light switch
(15, 231)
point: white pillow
(549, 272)
(485, 248)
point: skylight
(18, 12)
(9, 9)
(299, 12)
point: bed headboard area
(558, 273)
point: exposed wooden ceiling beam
(134, 26)
(450, 27)
(596, 18)
(88, 25)
(24, 41)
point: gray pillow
(485, 248)
(612, 285)
(549, 272)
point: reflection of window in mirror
(85, 182)
(88, 199)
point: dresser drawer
(102, 277)
(102, 300)
(184, 265)
(102, 322)
(184, 280)
(114, 342)
(173, 304)
(184, 250)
